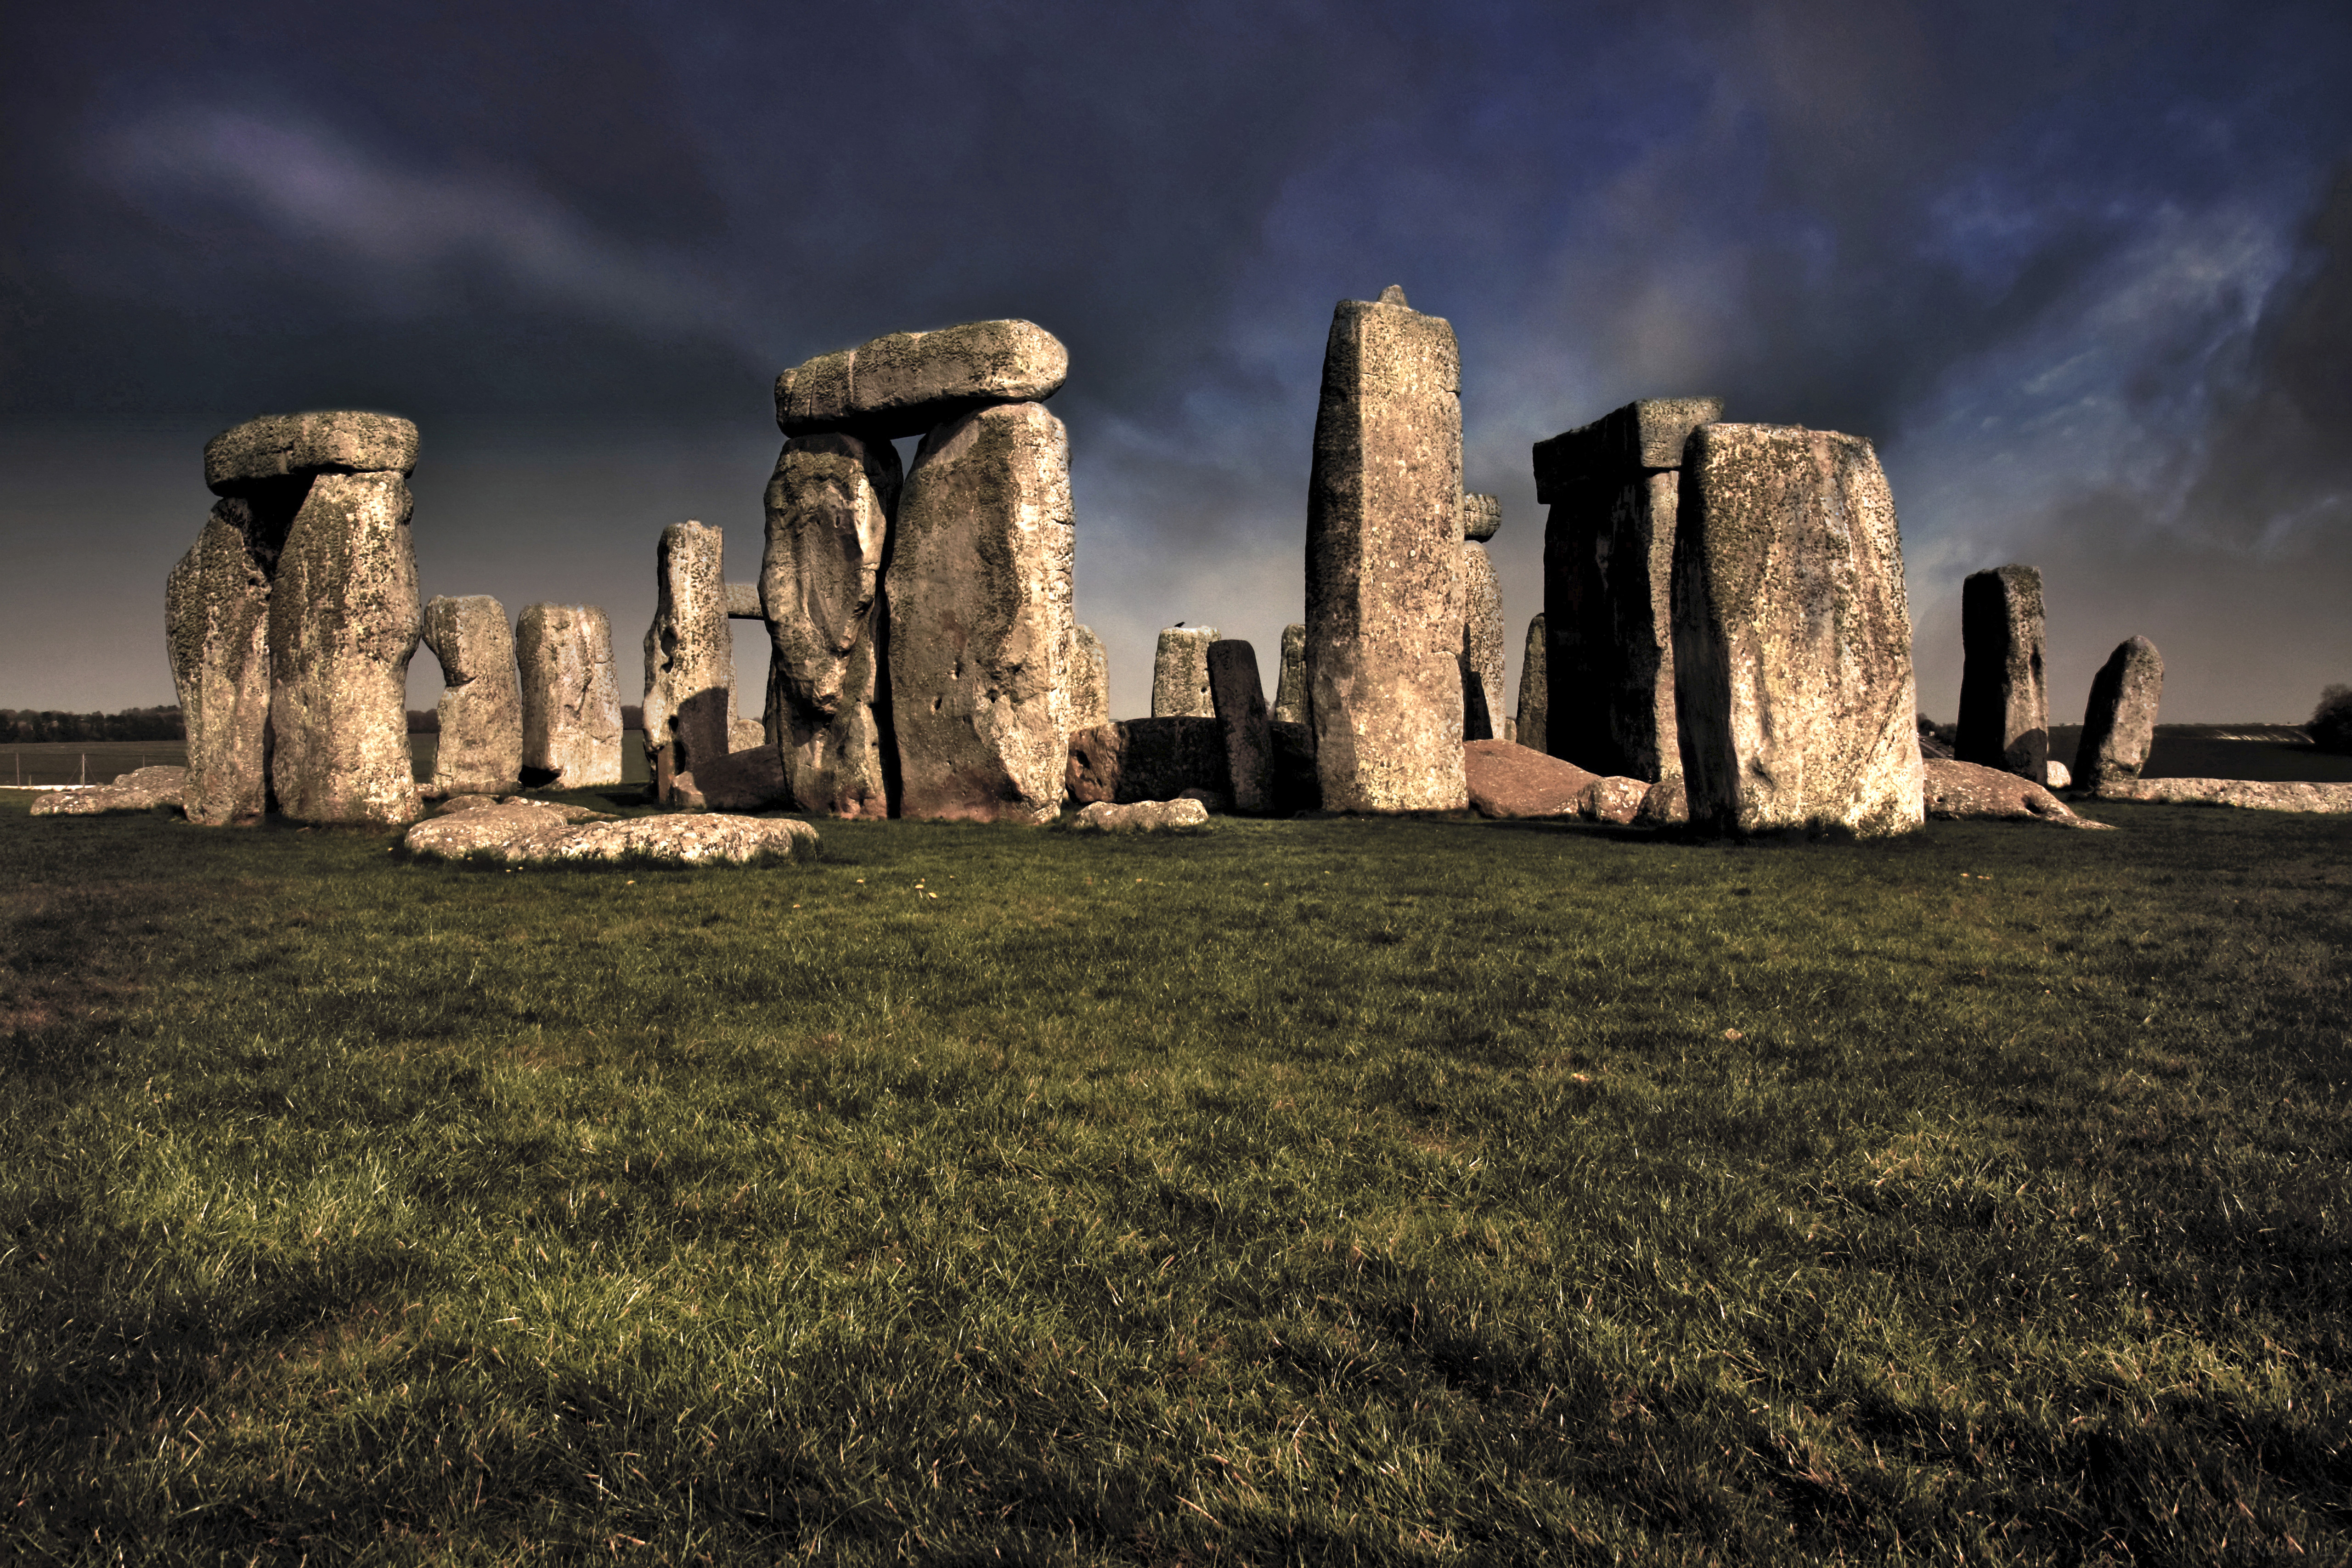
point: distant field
(2198, 752)
(97, 761)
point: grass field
(1330, 1191)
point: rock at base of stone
(1511, 781)
(216, 628)
(1089, 679)
(1182, 815)
(141, 789)
(1239, 703)
(1535, 690)
(523, 831)
(1296, 786)
(752, 779)
(2330, 798)
(1665, 806)
(2004, 700)
(1616, 799)
(479, 745)
(570, 694)
(1958, 789)
(1179, 674)
(2058, 776)
(1291, 705)
(2119, 722)
(1482, 642)
(1136, 760)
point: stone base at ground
(525, 831)
(1143, 816)
(2259, 796)
(1297, 787)
(142, 789)
(1507, 779)
(1957, 789)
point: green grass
(1326, 1191)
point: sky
(2084, 274)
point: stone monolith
(2119, 723)
(1384, 561)
(907, 383)
(1291, 705)
(829, 509)
(1180, 673)
(2004, 704)
(1239, 699)
(571, 696)
(689, 656)
(1482, 633)
(1791, 636)
(216, 628)
(1090, 680)
(1535, 690)
(1609, 542)
(979, 596)
(480, 749)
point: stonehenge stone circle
(2004, 703)
(1240, 702)
(571, 696)
(1534, 692)
(690, 658)
(1791, 636)
(2119, 723)
(907, 383)
(1180, 673)
(216, 628)
(1290, 700)
(1483, 652)
(479, 751)
(1384, 561)
(1090, 680)
(1613, 488)
(979, 591)
(829, 508)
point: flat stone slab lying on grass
(1144, 816)
(141, 789)
(529, 830)
(2254, 794)
(1958, 789)
(1508, 780)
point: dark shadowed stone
(829, 508)
(217, 629)
(1384, 561)
(905, 384)
(1645, 436)
(1240, 703)
(2004, 704)
(1296, 786)
(689, 656)
(1482, 643)
(1535, 689)
(1089, 679)
(1792, 636)
(979, 596)
(279, 445)
(1958, 789)
(750, 780)
(2119, 723)
(1180, 673)
(1148, 759)
(479, 747)
(571, 696)
(1291, 704)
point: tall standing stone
(571, 696)
(979, 593)
(1090, 680)
(1482, 618)
(2004, 703)
(1384, 561)
(829, 509)
(2119, 723)
(217, 626)
(1180, 673)
(689, 656)
(1535, 692)
(479, 751)
(1291, 704)
(1793, 635)
(1612, 487)
(1240, 703)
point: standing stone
(1179, 674)
(1291, 705)
(1609, 542)
(1482, 639)
(1793, 635)
(1090, 680)
(2004, 704)
(1384, 561)
(690, 658)
(216, 626)
(1240, 702)
(829, 509)
(571, 696)
(2119, 724)
(1534, 692)
(480, 747)
(978, 589)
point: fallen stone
(571, 696)
(510, 829)
(2119, 723)
(2004, 702)
(752, 779)
(689, 704)
(141, 789)
(2330, 798)
(1291, 703)
(1535, 689)
(907, 383)
(1958, 789)
(1143, 816)
(281, 446)
(1384, 561)
(1482, 642)
(1132, 759)
(1239, 704)
(1792, 636)
(524, 831)
(1507, 780)
(217, 629)
(1089, 679)
(1179, 674)
(479, 747)
(1482, 517)
(1666, 805)
(979, 596)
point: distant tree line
(27, 726)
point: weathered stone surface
(1958, 789)
(1089, 679)
(1535, 690)
(1384, 561)
(829, 508)
(1665, 806)
(1511, 781)
(1143, 816)
(2119, 723)
(1296, 786)
(521, 831)
(689, 656)
(344, 621)
(979, 596)
(571, 696)
(216, 628)
(2259, 796)
(282, 445)
(905, 384)
(1482, 642)
(2059, 777)
(753, 779)
(1148, 758)
(141, 789)
(1240, 703)
(510, 829)
(479, 748)
(1291, 704)
(1792, 636)
(2004, 703)
(743, 598)
(1180, 673)
(1482, 516)
(1615, 799)
(1649, 436)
